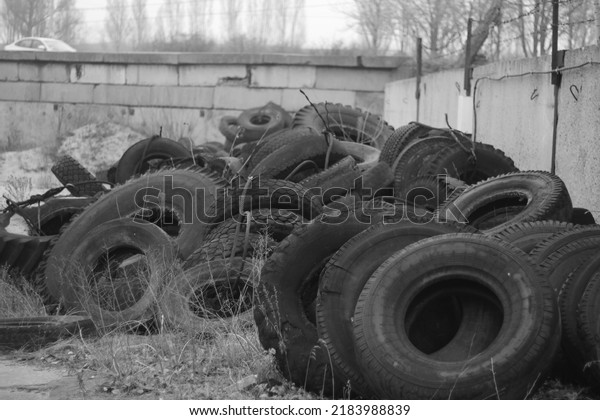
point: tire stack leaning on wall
(385, 310)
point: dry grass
(155, 361)
(18, 298)
(18, 188)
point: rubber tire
(70, 172)
(281, 163)
(413, 158)
(588, 327)
(53, 214)
(35, 332)
(346, 123)
(569, 298)
(547, 199)
(254, 129)
(263, 194)
(175, 304)
(288, 286)
(365, 156)
(229, 127)
(399, 140)
(21, 254)
(521, 353)
(582, 217)
(135, 159)
(335, 181)
(128, 200)
(453, 161)
(67, 278)
(277, 223)
(269, 144)
(344, 277)
(527, 235)
(428, 192)
(222, 248)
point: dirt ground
(21, 380)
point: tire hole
(454, 320)
(498, 211)
(119, 279)
(260, 119)
(222, 298)
(164, 218)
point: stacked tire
(442, 305)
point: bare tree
(375, 22)
(118, 24)
(199, 17)
(261, 20)
(297, 23)
(441, 23)
(160, 36)
(173, 12)
(481, 32)
(67, 21)
(233, 10)
(597, 15)
(140, 21)
(26, 17)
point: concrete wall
(439, 96)
(43, 95)
(516, 115)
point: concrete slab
(284, 76)
(9, 71)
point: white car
(39, 44)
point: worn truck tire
(582, 216)
(49, 217)
(136, 160)
(284, 163)
(275, 141)
(528, 235)
(277, 223)
(146, 199)
(113, 273)
(399, 140)
(527, 328)
(417, 155)
(493, 204)
(569, 298)
(588, 327)
(226, 246)
(485, 162)
(199, 299)
(284, 312)
(346, 123)
(262, 194)
(79, 181)
(22, 254)
(344, 277)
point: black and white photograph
(299, 207)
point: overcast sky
(326, 22)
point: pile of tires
(375, 263)
(463, 278)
